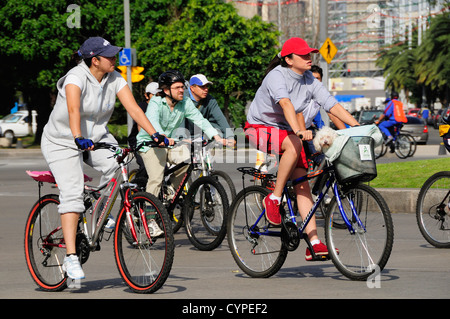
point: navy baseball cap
(97, 46)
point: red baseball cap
(297, 46)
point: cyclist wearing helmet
(393, 113)
(167, 113)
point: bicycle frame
(180, 187)
(103, 206)
(330, 183)
(205, 165)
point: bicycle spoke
(144, 264)
(44, 245)
(370, 243)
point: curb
(400, 200)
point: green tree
(39, 37)
(38, 41)
(396, 60)
(420, 69)
(210, 37)
(433, 57)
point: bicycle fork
(355, 216)
(127, 206)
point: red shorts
(268, 139)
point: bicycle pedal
(321, 258)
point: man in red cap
(272, 126)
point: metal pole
(323, 34)
(126, 13)
(279, 21)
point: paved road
(415, 270)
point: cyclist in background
(208, 107)
(313, 119)
(393, 114)
(166, 113)
(85, 103)
(150, 90)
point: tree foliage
(37, 44)
(433, 58)
(421, 67)
(211, 38)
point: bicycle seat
(47, 176)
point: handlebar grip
(100, 145)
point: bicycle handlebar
(121, 153)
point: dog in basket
(324, 139)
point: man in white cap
(151, 90)
(208, 106)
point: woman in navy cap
(273, 125)
(84, 105)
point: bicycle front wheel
(227, 183)
(205, 213)
(413, 145)
(144, 264)
(432, 210)
(366, 249)
(255, 245)
(380, 150)
(403, 146)
(44, 244)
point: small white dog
(324, 138)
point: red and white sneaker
(272, 208)
(319, 250)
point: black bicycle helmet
(167, 78)
(394, 95)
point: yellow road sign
(328, 50)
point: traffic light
(135, 73)
(123, 71)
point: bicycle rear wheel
(432, 210)
(205, 213)
(44, 244)
(257, 254)
(144, 265)
(359, 254)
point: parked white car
(17, 124)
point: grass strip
(408, 174)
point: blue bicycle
(403, 144)
(359, 231)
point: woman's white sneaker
(72, 267)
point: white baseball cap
(153, 88)
(199, 79)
